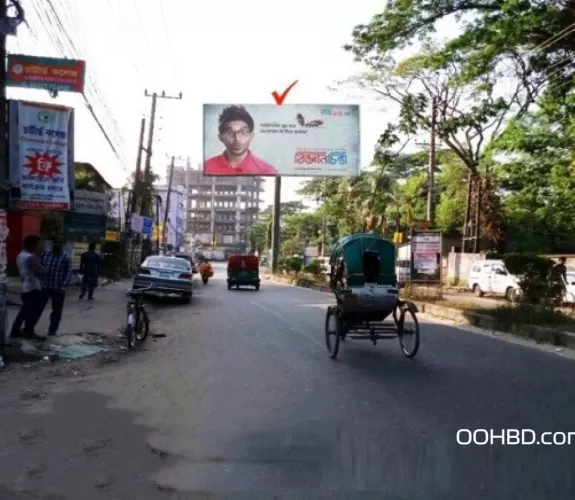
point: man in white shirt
(31, 289)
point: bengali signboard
(39, 155)
(142, 225)
(310, 140)
(426, 256)
(90, 202)
(46, 73)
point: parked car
(188, 257)
(170, 276)
(570, 288)
(491, 277)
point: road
(240, 400)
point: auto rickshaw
(243, 270)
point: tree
(538, 177)
(502, 40)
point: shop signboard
(41, 156)
(47, 73)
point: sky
(213, 52)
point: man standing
(30, 273)
(56, 278)
(236, 131)
(90, 265)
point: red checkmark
(279, 99)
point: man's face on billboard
(237, 137)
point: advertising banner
(39, 155)
(426, 256)
(310, 140)
(142, 225)
(45, 73)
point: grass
(506, 314)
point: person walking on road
(90, 265)
(56, 279)
(31, 272)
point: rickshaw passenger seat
(371, 266)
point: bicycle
(137, 320)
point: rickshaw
(368, 306)
(243, 270)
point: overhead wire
(49, 18)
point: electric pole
(146, 201)
(167, 207)
(431, 170)
(137, 179)
(133, 199)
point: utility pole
(431, 170)
(137, 179)
(167, 207)
(276, 224)
(149, 150)
(132, 204)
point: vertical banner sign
(39, 156)
(426, 256)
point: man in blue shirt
(57, 277)
(90, 264)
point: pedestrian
(31, 271)
(56, 279)
(90, 265)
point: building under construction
(219, 210)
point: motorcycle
(206, 272)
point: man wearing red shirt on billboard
(236, 131)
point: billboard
(426, 256)
(309, 140)
(45, 73)
(41, 155)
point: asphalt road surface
(240, 400)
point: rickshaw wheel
(332, 337)
(257, 287)
(395, 315)
(229, 286)
(408, 334)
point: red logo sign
(43, 165)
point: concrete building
(176, 226)
(219, 209)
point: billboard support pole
(276, 224)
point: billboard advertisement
(45, 73)
(309, 140)
(41, 155)
(426, 256)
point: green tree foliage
(502, 84)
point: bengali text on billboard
(39, 164)
(310, 140)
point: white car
(570, 288)
(491, 277)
